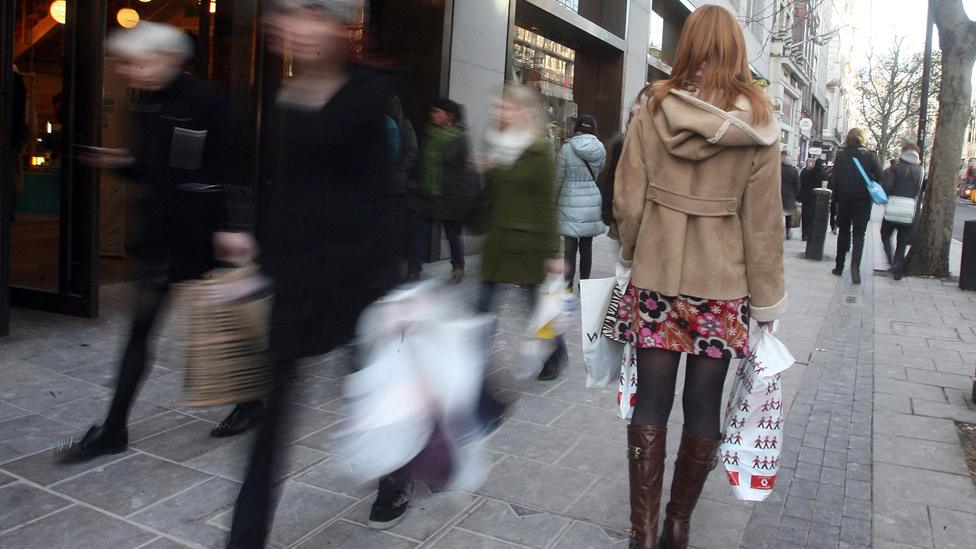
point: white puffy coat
(578, 197)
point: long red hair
(712, 42)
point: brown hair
(855, 138)
(712, 35)
(910, 147)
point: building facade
(64, 230)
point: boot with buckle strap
(645, 455)
(696, 458)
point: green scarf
(437, 140)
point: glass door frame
(84, 42)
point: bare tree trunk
(929, 255)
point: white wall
(478, 52)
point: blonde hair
(712, 35)
(531, 100)
(855, 138)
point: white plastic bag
(424, 367)
(552, 317)
(754, 419)
(602, 356)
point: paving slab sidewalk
(558, 478)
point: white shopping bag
(754, 419)
(424, 367)
(553, 316)
(602, 356)
(627, 384)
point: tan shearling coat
(697, 201)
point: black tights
(149, 301)
(657, 374)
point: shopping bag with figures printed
(627, 387)
(754, 419)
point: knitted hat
(450, 107)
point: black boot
(98, 441)
(391, 503)
(244, 417)
(554, 364)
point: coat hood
(694, 129)
(588, 147)
(911, 157)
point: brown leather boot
(696, 458)
(645, 454)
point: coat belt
(692, 205)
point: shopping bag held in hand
(551, 318)
(602, 356)
(753, 435)
(225, 316)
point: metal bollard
(967, 271)
(818, 228)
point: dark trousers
(806, 216)
(420, 238)
(584, 247)
(149, 302)
(897, 258)
(853, 217)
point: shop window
(656, 46)
(571, 4)
(549, 67)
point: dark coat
(458, 178)
(607, 177)
(810, 180)
(185, 155)
(789, 187)
(329, 239)
(521, 225)
(904, 178)
(846, 180)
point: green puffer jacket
(521, 222)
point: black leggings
(149, 302)
(584, 245)
(657, 374)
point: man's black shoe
(391, 503)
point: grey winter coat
(579, 202)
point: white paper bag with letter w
(753, 435)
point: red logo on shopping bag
(763, 483)
(733, 477)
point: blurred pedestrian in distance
(195, 205)
(703, 242)
(903, 179)
(408, 152)
(330, 242)
(578, 201)
(789, 188)
(521, 242)
(440, 198)
(811, 179)
(853, 200)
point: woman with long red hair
(697, 201)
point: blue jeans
(420, 237)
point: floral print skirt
(707, 327)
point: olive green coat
(521, 220)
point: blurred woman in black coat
(810, 180)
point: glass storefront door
(54, 106)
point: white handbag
(900, 209)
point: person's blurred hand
(235, 248)
(103, 157)
(556, 266)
